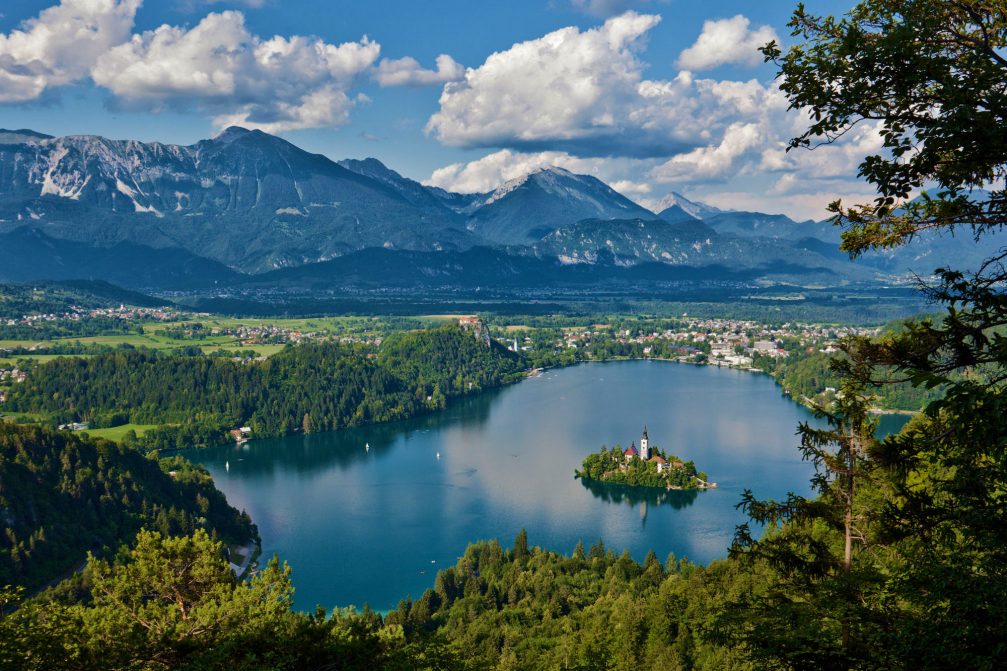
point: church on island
(644, 466)
(644, 453)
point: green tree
(813, 544)
(173, 599)
(930, 74)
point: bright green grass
(260, 350)
(9, 361)
(117, 432)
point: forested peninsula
(320, 386)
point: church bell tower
(644, 445)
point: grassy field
(117, 432)
(9, 361)
(153, 334)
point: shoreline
(803, 401)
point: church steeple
(645, 444)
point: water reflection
(611, 492)
(349, 448)
(374, 525)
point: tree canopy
(930, 74)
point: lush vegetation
(173, 603)
(611, 466)
(69, 328)
(62, 496)
(809, 376)
(312, 387)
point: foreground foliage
(173, 603)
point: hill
(58, 297)
(63, 496)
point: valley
(334, 336)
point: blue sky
(652, 96)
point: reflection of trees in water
(346, 447)
(645, 496)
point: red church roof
(631, 450)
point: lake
(370, 514)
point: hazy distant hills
(248, 208)
(690, 242)
(674, 206)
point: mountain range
(249, 208)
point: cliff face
(246, 199)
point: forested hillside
(310, 387)
(17, 300)
(61, 496)
(529, 608)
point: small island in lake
(647, 466)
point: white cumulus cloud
(726, 41)
(60, 45)
(714, 161)
(584, 93)
(408, 72)
(569, 90)
(275, 84)
(490, 171)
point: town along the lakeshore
(646, 466)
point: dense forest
(808, 375)
(62, 496)
(311, 387)
(173, 603)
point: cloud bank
(579, 99)
(217, 66)
(60, 45)
(570, 90)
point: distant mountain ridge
(675, 202)
(526, 209)
(246, 199)
(210, 214)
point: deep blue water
(372, 526)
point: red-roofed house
(662, 463)
(631, 452)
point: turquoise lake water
(372, 525)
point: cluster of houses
(13, 375)
(241, 435)
(76, 313)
